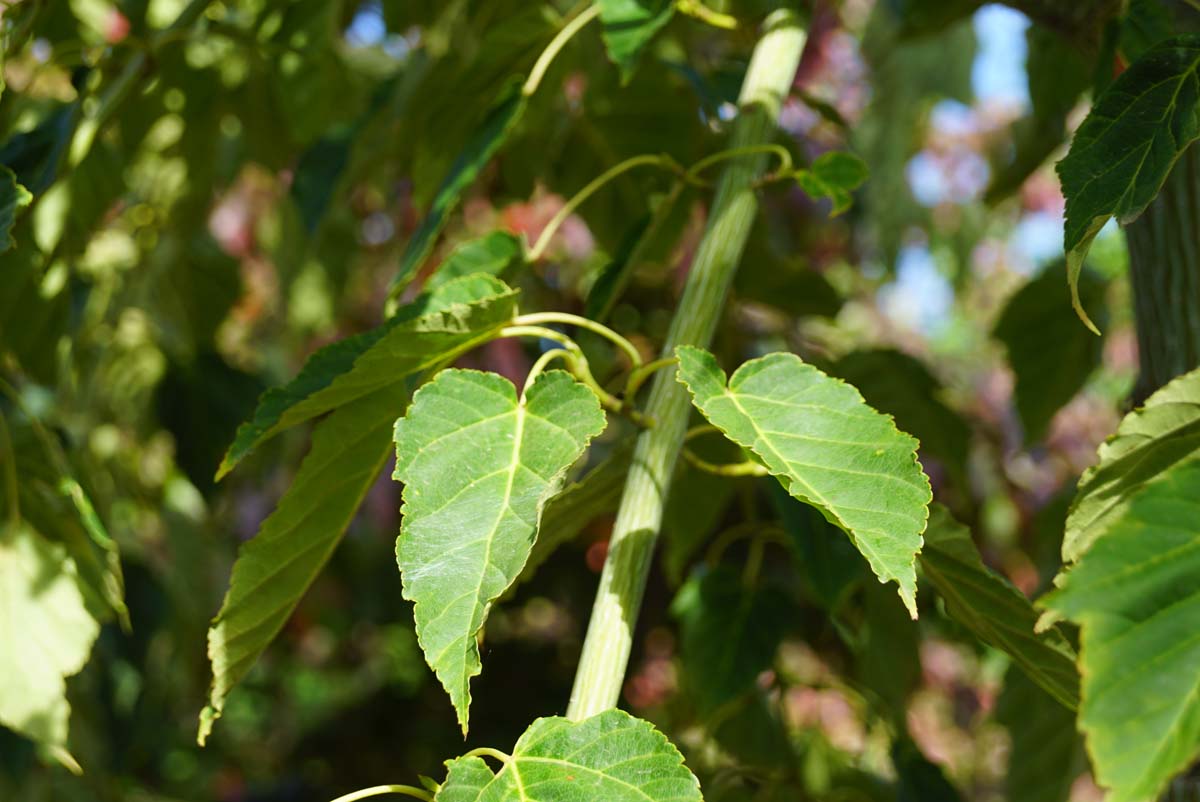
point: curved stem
(694, 8)
(639, 375)
(556, 44)
(380, 790)
(541, 332)
(732, 469)
(537, 318)
(785, 158)
(540, 366)
(577, 361)
(487, 751)
(753, 530)
(568, 208)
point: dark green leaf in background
(1051, 355)
(448, 320)
(1124, 150)
(994, 610)
(1046, 754)
(730, 630)
(487, 139)
(629, 25)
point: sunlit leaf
(611, 756)
(1124, 150)
(831, 450)
(903, 387)
(277, 566)
(449, 320)
(1149, 441)
(493, 254)
(478, 466)
(46, 635)
(729, 632)
(629, 25)
(1051, 355)
(580, 503)
(484, 143)
(993, 609)
(13, 198)
(1135, 598)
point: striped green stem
(610, 633)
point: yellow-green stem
(610, 632)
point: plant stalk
(610, 633)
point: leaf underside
(611, 756)
(1135, 597)
(275, 568)
(452, 317)
(994, 610)
(478, 466)
(828, 448)
(479, 150)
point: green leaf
(1149, 441)
(483, 144)
(993, 609)
(478, 466)
(13, 198)
(828, 563)
(611, 756)
(629, 25)
(493, 253)
(919, 780)
(1051, 355)
(276, 567)
(46, 635)
(1135, 597)
(889, 663)
(580, 503)
(828, 448)
(1046, 756)
(729, 633)
(833, 175)
(901, 386)
(1124, 150)
(453, 318)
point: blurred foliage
(200, 195)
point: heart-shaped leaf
(478, 466)
(611, 756)
(828, 448)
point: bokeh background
(248, 203)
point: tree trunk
(1164, 268)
